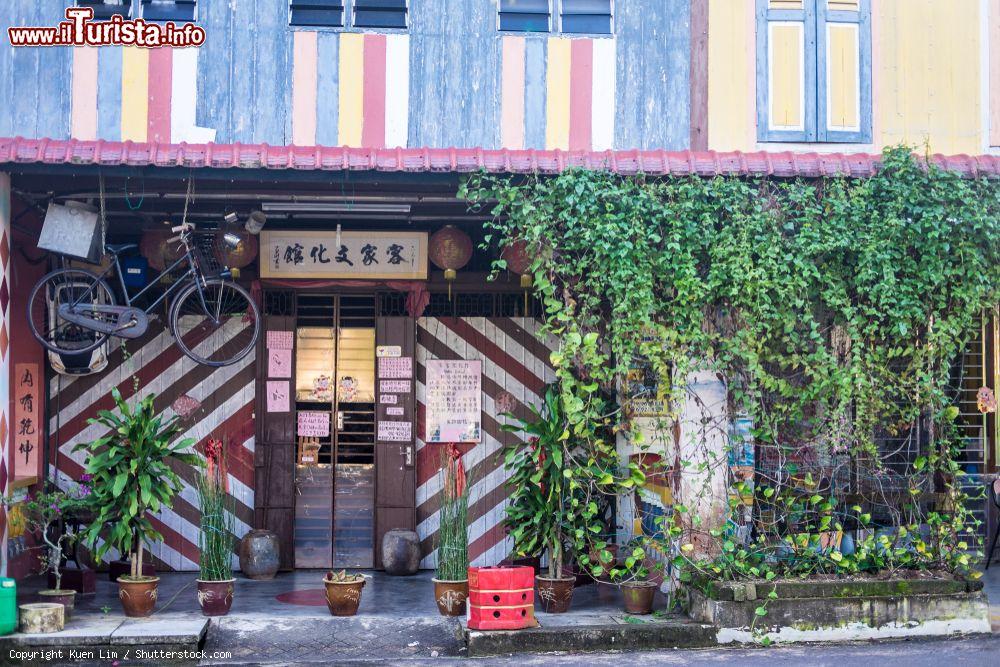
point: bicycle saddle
(119, 248)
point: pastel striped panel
(83, 124)
(133, 94)
(161, 72)
(512, 93)
(558, 93)
(373, 91)
(304, 88)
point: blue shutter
(860, 20)
(767, 19)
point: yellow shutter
(786, 80)
(843, 85)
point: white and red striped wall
(227, 399)
(516, 369)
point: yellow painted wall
(732, 123)
(926, 62)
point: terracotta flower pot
(138, 597)
(215, 597)
(639, 597)
(450, 596)
(343, 598)
(65, 597)
(555, 595)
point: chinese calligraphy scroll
(317, 254)
(27, 426)
(454, 401)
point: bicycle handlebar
(186, 227)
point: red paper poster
(277, 396)
(454, 401)
(314, 424)
(27, 425)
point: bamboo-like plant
(131, 476)
(453, 539)
(215, 535)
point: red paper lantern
(518, 261)
(241, 255)
(156, 247)
(450, 249)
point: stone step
(582, 632)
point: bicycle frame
(192, 273)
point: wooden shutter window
(316, 13)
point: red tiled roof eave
(19, 150)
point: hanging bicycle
(213, 319)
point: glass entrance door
(335, 466)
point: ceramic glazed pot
(400, 552)
(343, 598)
(259, 554)
(639, 597)
(65, 597)
(137, 597)
(555, 595)
(123, 568)
(450, 596)
(215, 597)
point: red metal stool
(501, 598)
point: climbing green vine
(834, 310)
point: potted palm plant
(215, 535)
(451, 580)
(537, 509)
(131, 475)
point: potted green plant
(132, 475)
(43, 514)
(536, 514)
(215, 535)
(634, 575)
(343, 592)
(451, 580)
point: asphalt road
(971, 652)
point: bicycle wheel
(79, 288)
(217, 325)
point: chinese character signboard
(317, 254)
(27, 426)
(454, 401)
